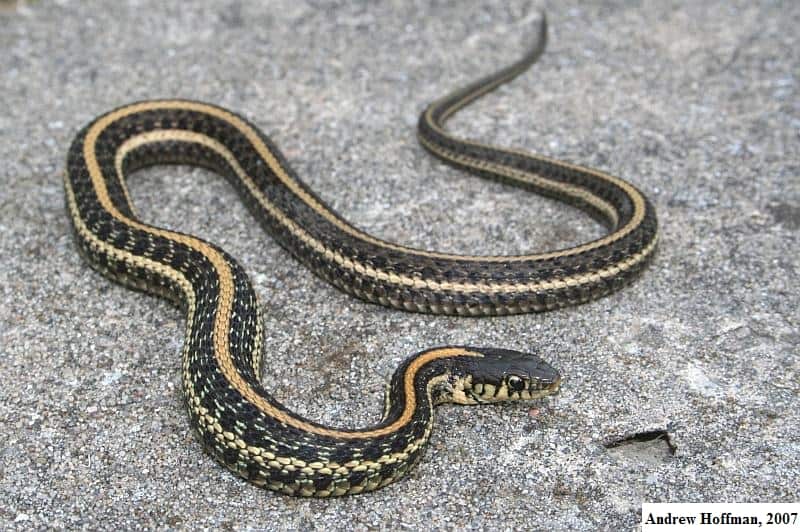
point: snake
(236, 419)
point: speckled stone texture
(694, 102)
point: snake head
(503, 375)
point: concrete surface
(696, 103)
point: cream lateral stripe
(123, 255)
(527, 177)
(355, 266)
(224, 307)
(296, 189)
(472, 96)
(633, 194)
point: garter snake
(237, 420)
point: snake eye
(516, 383)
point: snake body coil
(237, 420)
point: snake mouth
(504, 395)
(555, 387)
(477, 398)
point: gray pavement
(695, 102)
